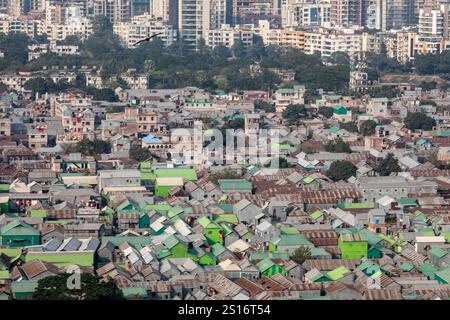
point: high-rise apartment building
(197, 17)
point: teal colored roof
(364, 265)
(140, 291)
(444, 274)
(371, 237)
(340, 110)
(174, 212)
(443, 133)
(265, 264)
(187, 174)
(428, 270)
(334, 129)
(407, 201)
(406, 266)
(438, 252)
(18, 227)
(315, 252)
(235, 184)
(253, 170)
(292, 240)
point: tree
(41, 85)
(419, 120)
(301, 254)
(279, 162)
(339, 58)
(55, 288)
(91, 148)
(367, 128)
(388, 165)
(307, 148)
(224, 174)
(337, 146)
(327, 112)
(264, 105)
(149, 65)
(101, 25)
(349, 126)
(140, 154)
(294, 112)
(341, 170)
(237, 123)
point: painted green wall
(16, 241)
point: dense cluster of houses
(167, 228)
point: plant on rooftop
(55, 288)
(301, 254)
(341, 170)
(388, 165)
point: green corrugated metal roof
(136, 242)
(235, 184)
(316, 214)
(337, 273)
(428, 270)
(24, 286)
(140, 291)
(171, 242)
(4, 274)
(226, 217)
(204, 221)
(18, 227)
(357, 205)
(265, 264)
(407, 201)
(187, 174)
(406, 266)
(438, 252)
(308, 180)
(217, 249)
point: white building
(143, 26)
(228, 35)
